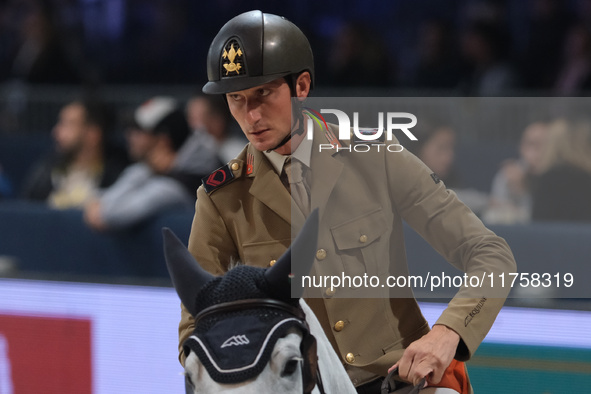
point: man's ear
(303, 85)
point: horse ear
(185, 272)
(301, 253)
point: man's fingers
(429, 356)
(418, 372)
(435, 376)
(413, 367)
(393, 367)
(405, 365)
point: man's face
(438, 153)
(70, 129)
(197, 109)
(139, 143)
(533, 145)
(264, 114)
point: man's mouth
(258, 132)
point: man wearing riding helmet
(244, 213)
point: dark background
(426, 44)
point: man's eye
(234, 97)
(264, 92)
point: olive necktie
(299, 190)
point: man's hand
(429, 356)
(92, 216)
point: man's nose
(253, 111)
(253, 115)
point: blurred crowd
(461, 47)
(470, 47)
(169, 147)
(549, 180)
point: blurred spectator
(435, 146)
(209, 117)
(160, 180)
(83, 160)
(510, 197)
(5, 185)
(575, 73)
(359, 57)
(485, 48)
(438, 67)
(201, 148)
(583, 10)
(40, 56)
(489, 11)
(159, 43)
(563, 191)
(548, 26)
(133, 41)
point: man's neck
(291, 145)
(87, 160)
(296, 139)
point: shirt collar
(277, 160)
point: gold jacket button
(338, 326)
(363, 239)
(350, 358)
(272, 263)
(235, 166)
(321, 254)
(330, 292)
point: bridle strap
(251, 303)
(319, 381)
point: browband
(252, 303)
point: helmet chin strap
(298, 130)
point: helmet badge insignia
(232, 58)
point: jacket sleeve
(456, 233)
(212, 246)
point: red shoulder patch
(218, 178)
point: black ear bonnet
(251, 328)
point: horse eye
(291, 367)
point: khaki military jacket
(362, 202)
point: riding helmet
(255, 48)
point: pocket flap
(359, 231)
(260, 254)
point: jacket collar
(267, 186)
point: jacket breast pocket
(362, 243)
(261, 254)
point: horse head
(250, 334)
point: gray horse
(250, 335)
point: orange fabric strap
(455, 378)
